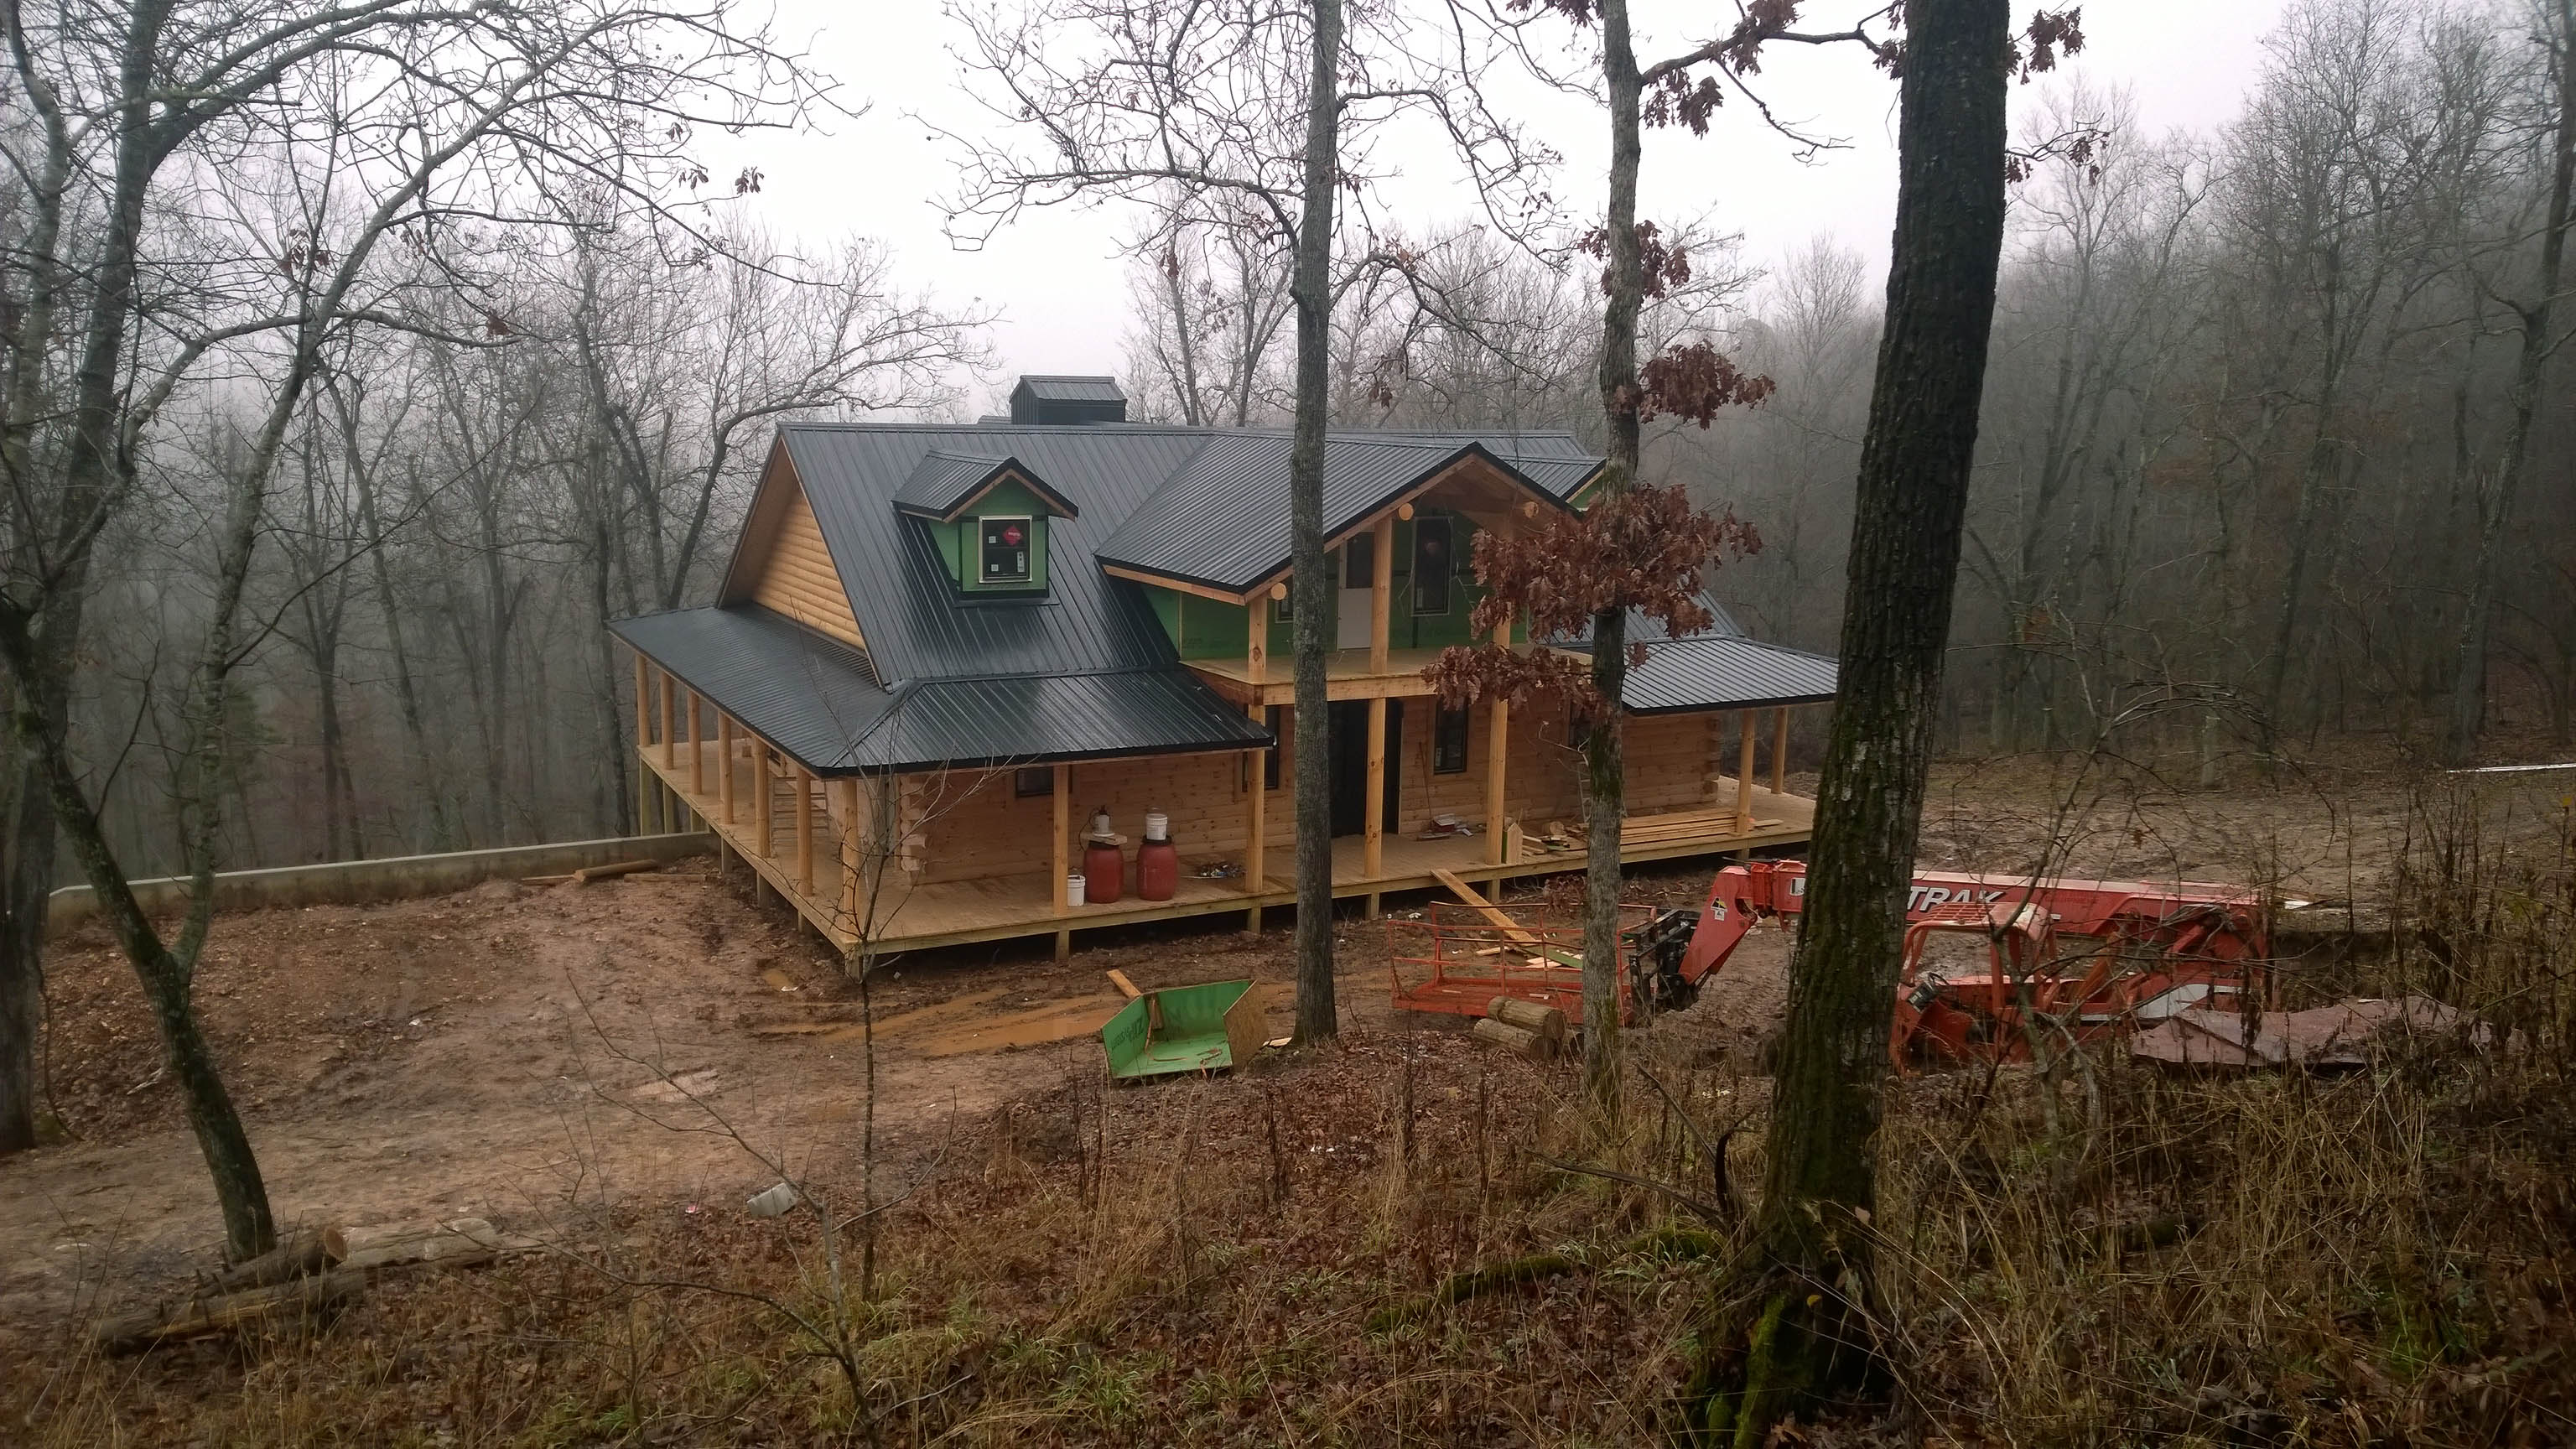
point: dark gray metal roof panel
(969, 723)
(802, 692)
(918, 624)
(813, 698)
(1059, 388)
(1224, 520)
(1714, 672)
(942, 479)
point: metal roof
(1725, 672)
(814, 698)
(1224, 519)
(1049, 387)
(943, 483)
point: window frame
(1021, 777)
(1441, 730)
(1359, 556)
(1028, 575)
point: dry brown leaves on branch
(1640, 548)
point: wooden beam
(670, 702)
(724, 765)
(1404, 511)
(1256, 658)
(1780, 750)
(1203, 591)
(1494, 915)
(1062, 855)
(767, 798)
(804, 831)
(1255, 842)
(1373, 813)
(1744, 778)
(1381, 593)
(697, 757)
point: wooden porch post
(1063, 857)
(804, 831)
(724, 765)
(1256, 656)
(1373, 814)
(1744, 778)
(1255, 845)
(643, 741)
(670, 703)
(1780, 750)
(767, 803)
(697, 756)
(1060, 858)
(1381, 593)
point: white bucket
(1073, 888)
(1158, 826)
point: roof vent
(1051, 401)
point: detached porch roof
(817, 699)
(1721, 671)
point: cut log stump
(1513, 1038)
(1547, 1021)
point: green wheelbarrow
(1183, 1029)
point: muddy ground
(508, 1052)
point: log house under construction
(938, 649)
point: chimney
(1051, 401)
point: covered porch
(884, 864)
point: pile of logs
(311, 1274)
(1522, 1026)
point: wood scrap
(278, 1304)
(455, 1243)
(1125, 987)
(589, 873)
(1495, 915)
(302, 1254)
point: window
(1359, 561)
(1006, 551)
(1449, 743)
(1030, 780)
(1274, 716)
(1432, 564)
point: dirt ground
(502, 1052)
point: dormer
(988, 515)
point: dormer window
(1008, 543)
(988, 516)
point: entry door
(1350, 764)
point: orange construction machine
(1988, 960)
(1992, 963)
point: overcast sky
(1058, 284)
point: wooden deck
(916, 916)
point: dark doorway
(1350, 763)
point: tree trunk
(1316, 1017)
(1910, 505)
(2469, 679)
(26, 887)
(1605, 775)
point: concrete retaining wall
(355, 882)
